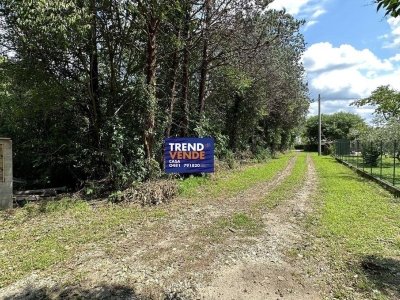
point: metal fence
(379, 159)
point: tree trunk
(94, 91)
(205, 60)
(149, 130)
(185, 78)
(233, 121)
(172, 98)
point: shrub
(371, 156)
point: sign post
(189, 155)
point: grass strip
(356, 211)
(288, 187)
(36, 237)
(358, 224)
(232, 182)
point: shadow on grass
(384, 273)
(96, 293)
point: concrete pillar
(6, 173)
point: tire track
(267, 272)
(158, 255)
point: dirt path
(173, 259)
(269, 274)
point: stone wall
(6, 174)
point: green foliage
(89, 89)
(337, 126)
(386, 100)
(371, 154)
(206, 128)
(392, 7)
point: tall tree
(386, 102)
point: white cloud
(323, 57)
(309, 24)
(319, 12)
(395, 58)
(392, 39)
(344, 72)
(348, 72)
(293, 7)
(310, 10)
(332, 106)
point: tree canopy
(341, 125)
(392, 7)
(386, 102)
(89, 88)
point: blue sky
(351, 50)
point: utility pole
(319, 125)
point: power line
(338, 99)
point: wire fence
(379, 159)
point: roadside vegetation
(89, 100)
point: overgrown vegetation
(89, 89)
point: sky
(351, 50)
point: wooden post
(6, 174)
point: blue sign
(189, 155)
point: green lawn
(360, 227)
(387, 173)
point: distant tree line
(384, 136)
(340, 125)
(89, 88)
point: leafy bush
(230, 159)
(263, 154)
(371, 154)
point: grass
(289, 186)
(358, 222)
(242, 224)
(38, 236)
(387, 173)
(232, 182)
(250, 223)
